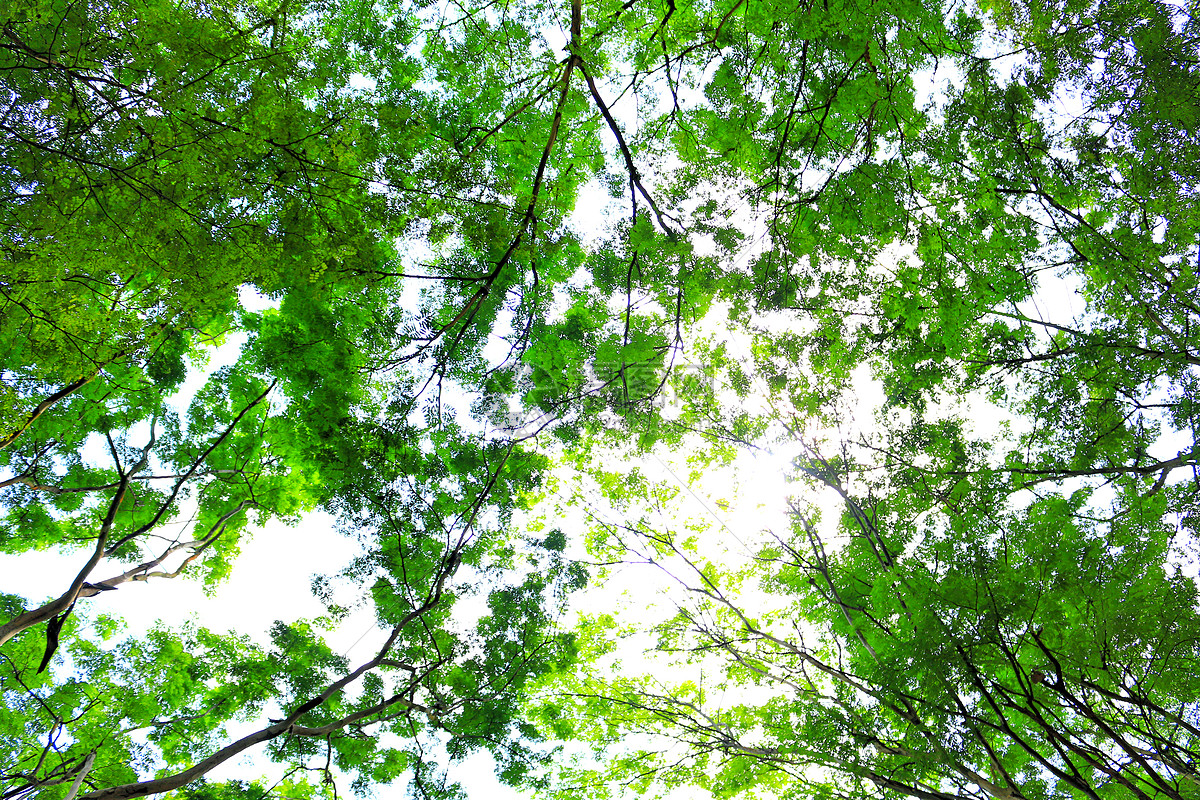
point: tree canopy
(476, 265)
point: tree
(159, 157)
(398, 183)
(995, 610)
(237, 480)
(185, 153)
(971, 650)
(163, 703)
(426, 501)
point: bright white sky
(272, 576)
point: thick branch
(55, 607)
(288, 724)
(41, 408)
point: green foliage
(377, 210)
